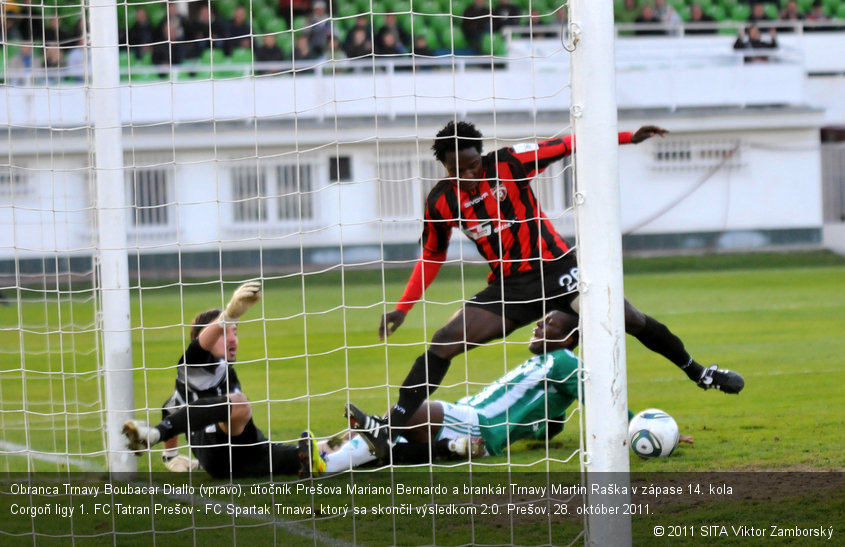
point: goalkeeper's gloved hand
(180, 463)
(245, 296)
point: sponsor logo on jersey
(525, 147)
(475, 200)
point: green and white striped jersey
(518, 405)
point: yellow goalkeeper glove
(244, 297)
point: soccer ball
(653, 434)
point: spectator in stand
(201, 34)
(389, 46)
(53, 63)
(175, 15)
(697, 15)
(401, 40)
(238, 32)
(421, 46)
(816, 16)
(334, 49)
(649, 18)
(792, 14)
(361, 22)
(506, 14)
(78, 61)
(172, 51)
(668, 15)
(535, 21)
(752, 39)
(319, 28)
(358, 44)
(20, 67)
(476, 23)
(269, 51)
(758, 13)
(142, 34)
(302, 49)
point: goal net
(159, 154)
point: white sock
(350, 454)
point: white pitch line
(13, 449)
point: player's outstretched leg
(722, 379)
(311, 462)
(140, 435)
(373, 429)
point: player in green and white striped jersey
(530, 402)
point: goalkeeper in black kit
(209, 407)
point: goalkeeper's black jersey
(201, 374)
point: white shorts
(458, 421)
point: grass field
(311, 346)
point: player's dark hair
(202, 320)
(466, 135)
(571, 326)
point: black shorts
(249, 454)
(527, 297)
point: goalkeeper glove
(245, 296)
(180, 463)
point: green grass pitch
(311, 345)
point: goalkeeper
(529, 402)
(209, 406)
(205, 368)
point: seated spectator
(142, 34)
(334, 49)
(697, 15)
(752, 39)
(78, 61)
(238, 32)
(535, 21)
(20, 68)
(53, 64)
(388, 46)
(319, 28)
(476, 23)
(791, 14)
(202, 32)
(401, 39)
(359, 44)
(421, 46)
(269, 51)
(648, 17)
(758, 13)
(302, 48)
(668, 15)
(816, 16)
(506, 14)
(361, 22)
(171, 51)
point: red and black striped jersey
(501, 215)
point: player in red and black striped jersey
(489, 198)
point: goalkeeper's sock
(659, 339)
(200, 413)
(425, 376)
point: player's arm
(425, 271)
(242, 299)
